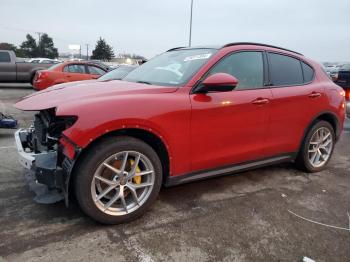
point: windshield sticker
(197, 57)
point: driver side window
(247, 67)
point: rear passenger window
(308, 72)
(80, 69)
(284, 70)
(247, 67)
(5, 57)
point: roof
(234, 44)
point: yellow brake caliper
(136, 179)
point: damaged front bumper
(44, 165)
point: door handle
(260, 101)
(314, 95)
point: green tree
(8, 46)
(29, 47)
(102, 51)
(46, 47)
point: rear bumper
(44, 165)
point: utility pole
(87, 51)
(39, 43)
(190, 38)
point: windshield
(173, 68)
(117, 73)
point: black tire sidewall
(87, 166)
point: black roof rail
(175, 48)
(252, 43)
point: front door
(7, 68)
(231, 127)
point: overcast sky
(319, 29)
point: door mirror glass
(219, 82)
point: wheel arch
(153, 140)
(328, 116)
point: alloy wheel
(320, 147)
(122, 183)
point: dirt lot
(241, 217)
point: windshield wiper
(144, 82)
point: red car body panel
(200, 131)
(46, 78)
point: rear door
(95, 72)
(75, 72)
(296, 100)
(7, 68)
(231, 127)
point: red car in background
(67, 72)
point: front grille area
(48, 129)
(41, 135)
(40, 130)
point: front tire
(118, 179)
(317, 147)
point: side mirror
(219, 82)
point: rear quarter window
(285, 70)
(308, 72)
(5, 57)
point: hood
(69, 84)
(86, 91)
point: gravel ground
(243, 217)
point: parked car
(332, 70)
(12, 70)
(100, 64)
(185, 115)
(67, 72)
(116, 74)
(43, 61)
(342, 78)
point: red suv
(188, 114)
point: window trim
(301, 66)
(265, 68)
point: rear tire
(317, 148)
(101, 170)
(32, 79)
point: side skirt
(205, 174)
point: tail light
(347, 95)
(41, 74)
